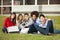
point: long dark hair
(14, 19)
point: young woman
(28, 22)
(23, 24)
(20, 22)
(9, 21)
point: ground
(16, 36)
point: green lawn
(16, 36)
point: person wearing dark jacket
(34, 18)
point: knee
(4, 30)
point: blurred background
(47, 7)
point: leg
(32, 29)
(4, 30)
(52, 29)
(50, 24)
(48, 29)
(56, 31)
(42, 30)
(19, 28)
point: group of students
(35, 22)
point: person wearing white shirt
(44, 26)
(27, 20)
(20, 22)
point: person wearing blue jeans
(45, 26)
(4, 30)
(45, 30)
(34, 18)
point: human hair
(14, 19)
(26, 14)
(42, 15)
(18, 16)
(36, 13)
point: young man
(34, 18)
(44, 26)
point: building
(20, 6)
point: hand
(23, 27)
(49, 19)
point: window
(29, 2)
(6, 10)
(0, 10)
(6, 2)
(0, 6)
(54, 1)
(18, 2)
(0, 2)
(42, 2)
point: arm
(30, 22)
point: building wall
(42, 6)
(39, 8)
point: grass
(16, 36)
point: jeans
(32, 29)
(56, 31)
(4, 30)
(48, 29)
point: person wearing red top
(9, 22)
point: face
(12, 16)
(42, 19)
(34, 17)
(20, 18)
(26, 17)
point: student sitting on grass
(28, 22)
(8, 22)
(34, 18)
(19, 22)
(24, 24)
(45, 26)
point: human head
(42, 17)
(13, 17)
(20, 17)
(34, 15)
(26, 16)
